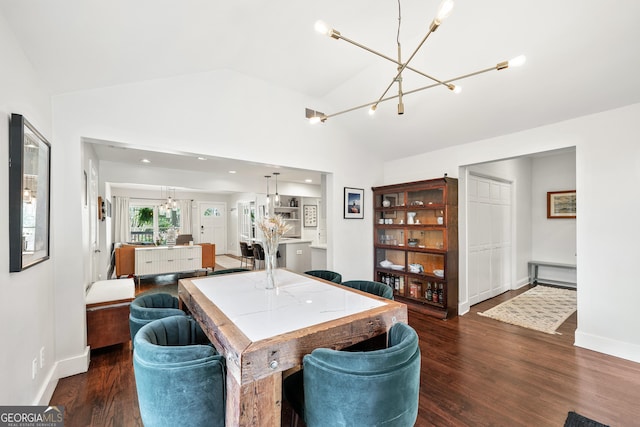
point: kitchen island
(295, 254)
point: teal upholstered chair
(375, 388)
(331, 276)
(227, 271)
(376, 288)
(147, 308)
(180, 377)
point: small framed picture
(561, 204)
(310, 214)
(353, 203)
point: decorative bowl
(386, 264)
(439, 273)
(416, 268)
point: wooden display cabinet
(416, 243)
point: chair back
(376, 288)
(258, 252)
(184, 239)
(147, 308)
(372, 388)
(331, 276)
(244, 250)
(180, 377)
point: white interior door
(213, 225)
(489, 217)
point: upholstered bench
(108, 312)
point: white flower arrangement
(273, 228)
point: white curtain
(121, 220)
(185, 216)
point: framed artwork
(310, 215)
(353, 203)
(561, 204)
(29, 195)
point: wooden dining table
(264, 333)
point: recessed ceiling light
(232, 171)
(308, 180)
(145, 161)
(202, 158)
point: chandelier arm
(388, 58)
(424, 39)
(368, 104)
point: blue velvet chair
(180, 377)
(376, 288)
(331, 276)
(147, 308)
(374, 388)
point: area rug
(227, 262)
(542, 308)
(577, 420)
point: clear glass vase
(270, 259)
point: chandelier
(170, 203)
(443, 11)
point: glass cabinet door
(425, 263)
(390, 259)
(390, 200)
(426, 197)
(390, 236)
(426, 239)
(425, 216)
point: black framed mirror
(29, 194)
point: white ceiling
(217, 169)
(582, 57)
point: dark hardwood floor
(475, 372)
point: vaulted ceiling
(581, 57)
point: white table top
(298, 301)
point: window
(150, 224)
(212, 212)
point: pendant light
(268, 199)
(276, 199)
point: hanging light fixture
(268, 199)
(276, 198)
(443, 11)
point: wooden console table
(533, 272)
(125, 258)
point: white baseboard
(623, 350)
(61, 369)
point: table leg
(254, 404)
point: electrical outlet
(299, 252)
(34, 368)
(41, 357)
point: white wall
(27, 313)
(554, 239)
(194, 111)
(607, 168)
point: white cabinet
(167, 259)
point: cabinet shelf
(415, 226)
